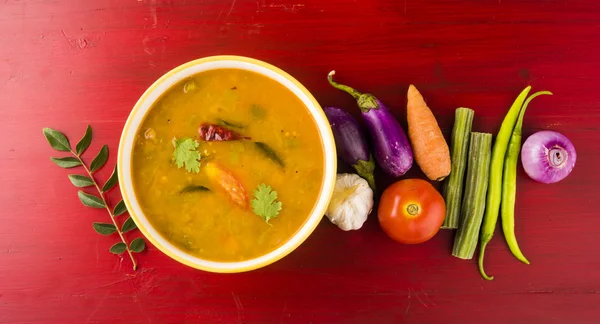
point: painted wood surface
(65, 64)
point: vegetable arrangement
(479, 174)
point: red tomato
(411, 211)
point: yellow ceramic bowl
(164, 84)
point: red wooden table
(69, 63)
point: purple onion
(350, 142)
(548, 156)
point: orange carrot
(430, 148)
(227, 181)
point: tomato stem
(413, 209)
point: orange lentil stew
(228, 165)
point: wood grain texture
(69, 63)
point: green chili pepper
(509, 183)
(495, 186)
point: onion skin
(548, 156)
(391, 146)
(350, 142)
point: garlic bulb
(351, 203)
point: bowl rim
(166, 82)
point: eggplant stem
(353, 92)
(370, 180)
(365, 170)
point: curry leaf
(112, 181)
(100, 159)
(60, 142)
(57, 140)
(90, 200)
(194, 188)
(118, 248)
(265, 202)
(66, 162)
(104, 228)
(230, 124)
(267, 151)
(120, 208)
(137, 245)
(80, 181)
(85, 141)
(128, 225)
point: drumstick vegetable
(429, 146)
(473, 204)
(459, 147)
(495, 186)
(509, 183)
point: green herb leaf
(90, 200)
(230, 124)
(57, 140)
(85, 141)
(104, 228)
(194, 188)
(265, 202)
(120, 208)
(66, 162)
(112, 181)
(118, 248)
(80, 181)
(100, 159)
(186, 153)
(267, 151)
(137, 245)
(128, 225)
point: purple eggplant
(392, 149)
(351, 144)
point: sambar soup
(228, 165)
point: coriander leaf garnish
(265, 202)
(186, 154)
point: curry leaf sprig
(59, 142)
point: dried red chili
(211, 132)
